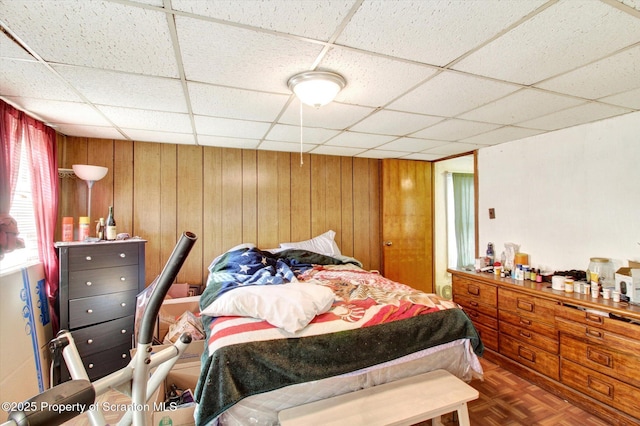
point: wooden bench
(403, 402)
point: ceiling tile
(522, 105)
(96, 132)
(286, 146)
(226, 127)
(411, 144)
(313, 19)
(503, 134)
(608, 76)
(359, 140)
(580, 114)
(130, 118)
(237, 57)
(331, 116)
(453, 148)
(96, 34)
(286, 133)
(452, 93)
(226, 102)
(126, 90)
(432, 32)
(164, 137)
(336, 150)
(33, 80)
(630, 99)
(564, 36)
(373, 80)
(379, 153)
(423, 157)
(225, 142)
(62, 112)
(454, 130)
(11, 50)
(394, 123)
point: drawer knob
(122, 255)
(90, 366)
(123, 304)
(89, 283)
(123, 331)
(123, 278)
(124, 356)
(89, 311)
(90, 341)
(88, 258)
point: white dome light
(316, 88)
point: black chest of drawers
(97, 300)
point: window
(22, 212)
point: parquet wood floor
(505, 400)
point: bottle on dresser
(110, 226)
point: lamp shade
(88, 172)
(316, 88)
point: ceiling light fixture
(316, 88)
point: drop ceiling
(425, 79)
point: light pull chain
(301, 160)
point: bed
(290, 326)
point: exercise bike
(69, 399)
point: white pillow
(289, 306)
(323, 244)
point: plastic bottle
(490, 254)
(83, 228)
(67, 229)
(111, 226)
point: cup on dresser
(615, 296)
(557, 282)
(594, 293)
(606, 293)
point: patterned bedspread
(372, 320)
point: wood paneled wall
(226, 196)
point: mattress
(262, 410)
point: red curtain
(40, 144)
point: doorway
(444, 216)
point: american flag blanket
(372, 320)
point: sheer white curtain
(460, 219)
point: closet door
(407, 223)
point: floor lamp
(90, 174)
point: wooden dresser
(582, 349)
(97, 299)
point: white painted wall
(565, 196)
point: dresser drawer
(599, 336)
(102, 255)
(93, 282)
(488, 336)
(472, 304)
(601, 387)
(600, 358)
(97, 338)
(530, 324)
(477, 317)
(103, 363)
(591, 319)
(529, 355)
(526, 305)
(97, 309)
(529, 337)
(475, 290)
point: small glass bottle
(67, 229)
(110, 230)
(100, 230)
